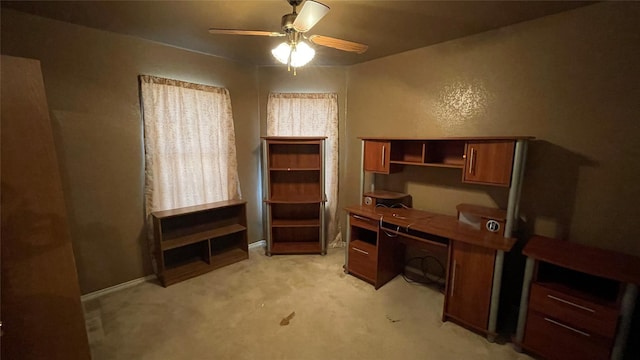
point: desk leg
(346, 250)
(524, 302)
(495, 295)
(626, 313)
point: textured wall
(570, 80)
(92, 88)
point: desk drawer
(363, 222)
(363, 259)
(554, 339)
(574, 311)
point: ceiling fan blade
(311, 13)
(244, 32)
(339, 44)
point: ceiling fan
(295, 52)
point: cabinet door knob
(384, 150)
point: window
(190, 151)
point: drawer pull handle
(453, 277)
(361, 218)
(471, 163)
(570, 303)
(360, 251)
(568, 327)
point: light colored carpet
(239, 312)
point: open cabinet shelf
(193, 240)
(294, 194)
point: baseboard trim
(259, 243)
(96, 294)
(109, 290)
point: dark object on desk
(482, 218)
(385, 198)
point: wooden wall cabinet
(194, 240)
(377, 155)
(294, 194)
(489, 162)
(468, 292)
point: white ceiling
(388, 27)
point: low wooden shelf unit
(193, 240)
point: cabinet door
(469, 284)
(376, 156)
(489, 162)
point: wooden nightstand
(577, 300)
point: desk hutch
(377, 235)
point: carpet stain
(392, 320)
(285, 321)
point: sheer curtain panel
(190, 150)
(306, 114)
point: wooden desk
(577, 301)
(375, 250)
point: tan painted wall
(92, 88)
(312, 79)
(570, 80)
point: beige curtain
(190, 150)
(311, 115)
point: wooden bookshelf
(193, 240)
(294, 194)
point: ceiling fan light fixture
(296, 55)
(281, 53)
(301, 54)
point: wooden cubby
(294, 194)
(436, 153)
(193, 240)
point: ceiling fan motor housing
(287, 22)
